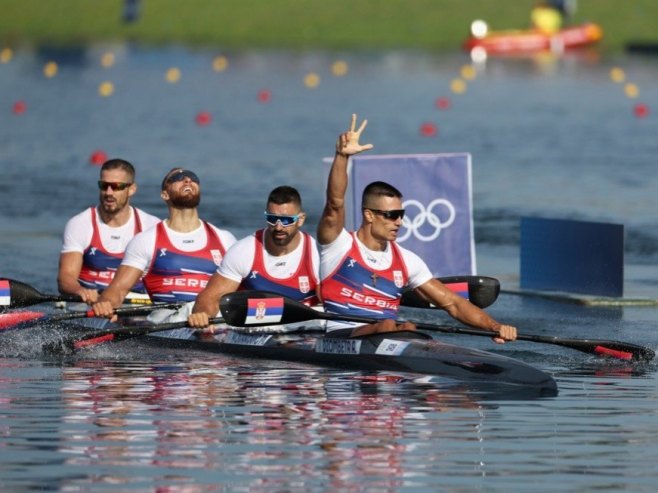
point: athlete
(95, 239)
(364, 272)
(178, 255)
(279, 258)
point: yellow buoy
(50, 69)
(339, 68)
(106, 89)
(220, 63)
(617, 75)
(6, 55)
(468, 72)
(173, 75)
(458, 86)
(631, 90)
(108, 59)
(312, 80)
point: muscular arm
(207, 303)
(461, 309)
(70, 265)
(333, 216)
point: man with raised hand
(178, 255)
(279, 258)
(364, 272)
(95, 239)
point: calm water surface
(551, 139)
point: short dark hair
(121, 164)
(285, 195)
(378, 189)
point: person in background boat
(95, 239)
(279, 258)
(364, 272)
(177, 256)
(546, 17)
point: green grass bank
(438, 25)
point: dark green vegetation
(300, 24)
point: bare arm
(207, 303)
(124, 280)
(70, 265)
(333, 216)
(461, 309)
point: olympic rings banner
(437, 197)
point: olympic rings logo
(416, 226)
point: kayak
(408, 352)
(532, 41)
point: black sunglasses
(393, 214)
(180, 175)
(114, 185)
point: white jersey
(139, 251)
(79, 230)
(332, 254)
(239, 259)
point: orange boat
(531, 41)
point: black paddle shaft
(243, 308)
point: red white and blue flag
(461, 288)
(5, 293)
(264, 310)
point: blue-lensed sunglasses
(273, 219)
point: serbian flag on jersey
(5, 293)
(264, 310)
(461, 288)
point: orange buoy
(428, 129)
(264, 96)
(97, 158)
(442, 103)
(641, 110)
(203, 118)
(19, 107)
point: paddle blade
(260, 308)
(600, 347)
(482, 291)
(21, 295)
(9, 320)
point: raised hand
(348, 142)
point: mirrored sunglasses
(393, 214)
(180, 176)
(273, 219)
(114, 185)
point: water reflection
(262, 425)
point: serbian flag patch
(5, 293)
(264, 310)
(461, 288)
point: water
(551, 139)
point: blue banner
(437, 196)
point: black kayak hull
(398, 352)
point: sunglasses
(180, 176)
(114, 185)
(273, 219)
(393, 214)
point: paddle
(258, 308)
(17, 294)
(9, 320)
(89, 339)
(482, 291)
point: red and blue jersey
(354, 288)
(300, 286)
(98, 265)
(176, 275)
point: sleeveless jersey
(175, 275)
(99, 265)
(301, 286)
(354, 288)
